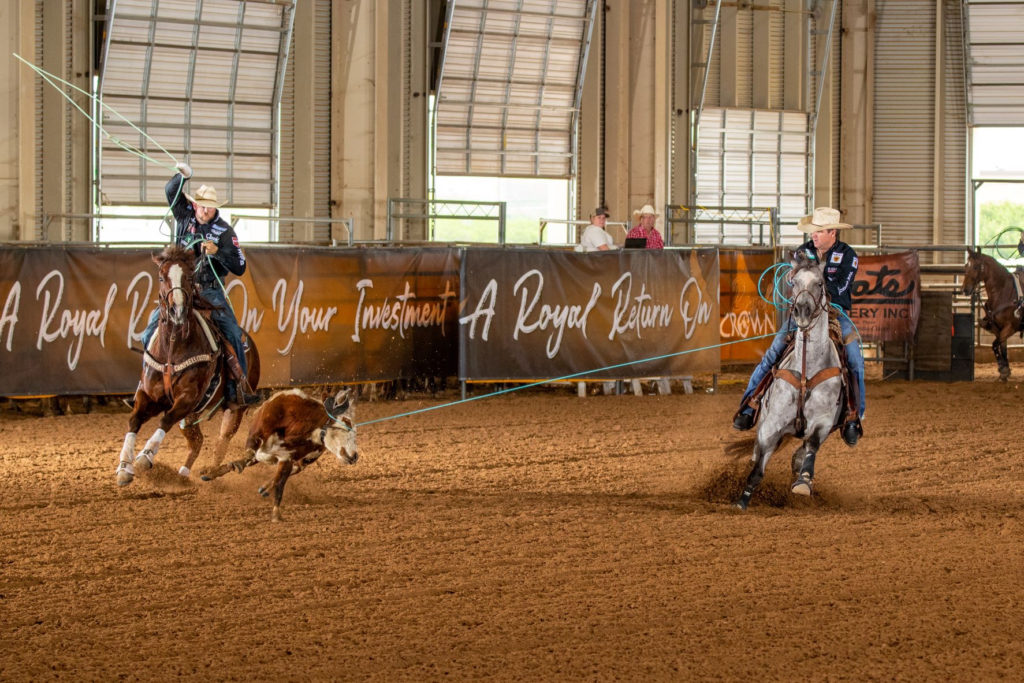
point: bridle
(817, 305)
(975, 271)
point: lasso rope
(57, 82)
(53, 80)
(995, 241)
(780, 270)
(560, 379)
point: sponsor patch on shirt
(855, 263)
(234, 240)
(836, 257)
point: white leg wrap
(153, 445)
(128, 448)
(184, 471)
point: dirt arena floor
(531, 536)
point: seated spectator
(595, 237)
(645, 228)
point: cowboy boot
(238, 391)
(130, 401)
(852, 429)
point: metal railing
(349, 238)
(431, 210)
(94, 218)
(168, 220)
(758, 226)
(575, 227)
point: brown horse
(184, 371)
(1002, 314)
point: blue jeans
(222, 316)
(854, 358)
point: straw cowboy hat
(823, 218)
(206, 196)
(645, 210)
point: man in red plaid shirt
(645, 228)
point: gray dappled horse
(806, 402)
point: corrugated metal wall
(321, 179)
(776, 63)
(905, 125)
(955, 172)
(903, 119)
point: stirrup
(743, 421)
(852, 431)
(248, 399)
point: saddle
(846, 410)
(222, 353)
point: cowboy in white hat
(645, 227)
(840, 264)
(200, 227)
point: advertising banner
(70, 315)
(887, 297)
(745, 313)
(534, 314)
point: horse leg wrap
(808, 466)
(147, 455)
(153, 445)
(128, 449)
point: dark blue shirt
(840, 270)
(188, 229)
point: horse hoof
(801, 487)
(184, 472)
(263, 491)
(125, 475)
(740, 504)
(144, 460)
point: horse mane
(992, 266)
(801, 261)
(174, 253)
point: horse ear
(158, 259)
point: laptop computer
(635, 243)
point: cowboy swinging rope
(57, 82)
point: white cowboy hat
(206, 196)
(823, 218)
(645, 210)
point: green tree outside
(995, 218)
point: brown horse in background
(184, 371)
(1002, 307)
